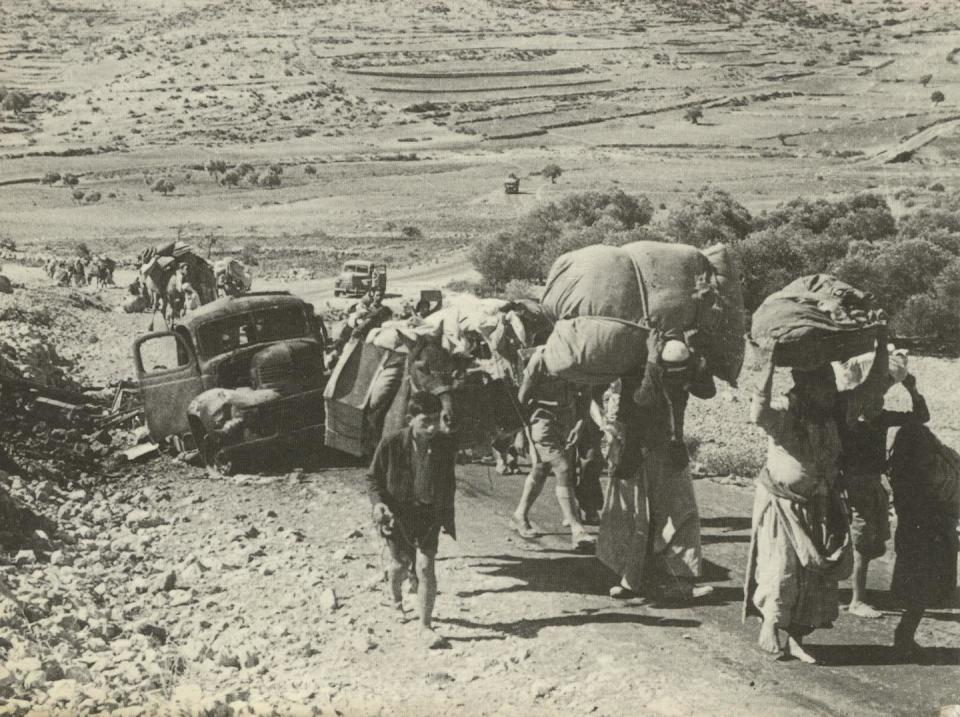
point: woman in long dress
(800, 546)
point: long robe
(650, 510)
(800, 544)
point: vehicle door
(381, 273)
(169, 378)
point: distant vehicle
(240, 375)
(512, 184)
(358, 276)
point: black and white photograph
(479, 358)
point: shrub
(925, 316)
(551, 172)
(937, 97)
(861, 216)
(92, 198)
(504, 257)
(711, 216)
(50, 178)
(768, 261)
(411, 233)
(619, 209)
(164, 186)
(519, 289)
(946, 287)
(14, 101)
(83, 251)
(893, 271)
(694, 114)
(8, 244)
(309, 169)
(78, 195)
(215, 167)
(230, 178)
(268, 179)
(70, 180)
(465, 286)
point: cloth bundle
(816, 320)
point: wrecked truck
(238, 376)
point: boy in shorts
(411, 484)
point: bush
(8, 244)
(620, 210)
(768, 261)
(465, 286)
(50, 178)
(694, 114)
(711, 216)
(893, 271)
(411, 233)
(925, 316)
(92, 198)
(946, 287)
(309, 169)
(14, 101)
(268, 179)
(517, 289)
(505, 257)
(862, 216)
(70, 180)
(83, 251)
(230, 178)
(78, 195)
(164, 186)
(551, 172)
(937, 97)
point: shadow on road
(531, 628)
(859, 655)
(569, 574)
(726, 522)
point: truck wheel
(337, 292)
(224, 466)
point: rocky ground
(154, 588)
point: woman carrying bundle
(800, 545)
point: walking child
(411, 484)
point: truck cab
(240, 373)
(358, 276)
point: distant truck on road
(359, 276)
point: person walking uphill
(863, 460)
(800, 545)
(554, 432)
(411, 484)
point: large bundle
(606, 299)
(816, 320)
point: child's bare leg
(397, 571)
(427, 591)
(532, 487)
(858, 606)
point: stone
(328, 600)
(25, 557)
(7, 678)
(79, 674)
(52, 671)
(164, 582)
(25, 666)
(227, 658)
(63, 691)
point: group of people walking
(820, 512)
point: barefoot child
(800, 545)
(411, 484)
(863, 461)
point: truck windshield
(254, 327)
(356, 268)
